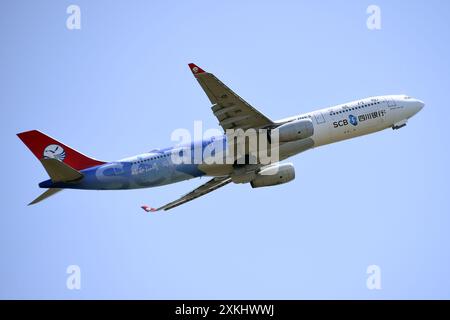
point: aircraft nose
(418, 105)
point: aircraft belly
(294, 147)
(216, 170)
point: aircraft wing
(232, 111)
(211, 185)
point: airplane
(70, 169)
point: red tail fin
(44, 146)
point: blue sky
(121, 85)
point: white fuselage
(331, 124)
(340, 122)
(360, 117)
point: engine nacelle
(296, 130)
(273, 175)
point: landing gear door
(319, 117)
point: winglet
(195, 69)
(148, 209)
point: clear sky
(120, 85)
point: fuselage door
(390, 102)
(319, 117)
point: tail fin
(45, 147)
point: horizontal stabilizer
(59, 171)
(45, 195)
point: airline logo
(344, 122)
(372, 115)
(353, 120)
(54, 151)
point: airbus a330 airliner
(69, 169)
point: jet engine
(296, 130)
(273, 175)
